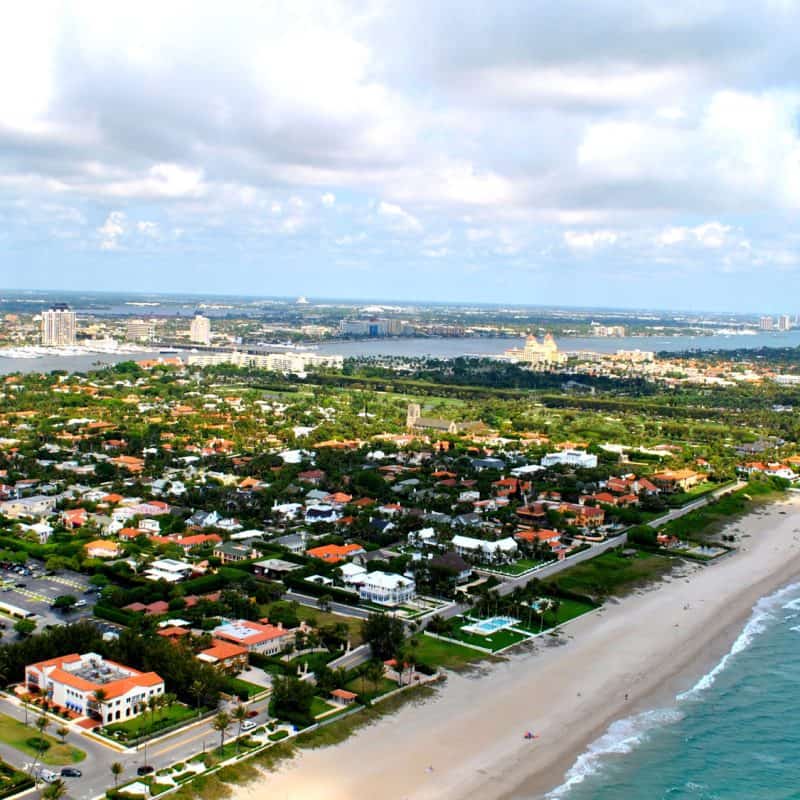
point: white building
(58, 326)
(74, 681)
(502, 549)
(39, 505)
(200, 330)
(168, 569)
(570, 458)
(387, 589)
(140, 330)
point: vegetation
(19, 736)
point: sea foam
(624, 735)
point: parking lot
(34, 592)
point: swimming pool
(491, 625)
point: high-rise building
(58, 326)
(200, 330)
(140, 330)
(766, 323)
(784, 322)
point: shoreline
(631, 656)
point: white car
(48, 776)
(249, 725)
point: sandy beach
(630, 656)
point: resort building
(37, 506)
(255, 637)
(535, 353)
(90, 685)
(386, 589)
(678, 479)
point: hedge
(114, 614)
(318, 590)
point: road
(97, 778)
(335, 607)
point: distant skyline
(606, 155)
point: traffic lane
(338, 608)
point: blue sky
(609, 153)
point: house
(74, 518)
(451, 562)
(274, 568)
(678, 479)
(231, 552)
(129, 463)
(387, 589)
(312, 476)
(353, 574)
(78, 682)
(225, 656)
(102, 548)
(425, 537)
(39, 505)
(287, 510)
(334, 553)
(342, 697)
(149, 525)
(293, 542)
(203, 519)
(43, 531)
(168, 569)
(502, 549)
(322, 512)
(255, 637)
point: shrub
(38, 743)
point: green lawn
(447, 655)
(567, 610)
(320, 706)
(143, 724)
(16, 734)
(611, 574)
(369, 691)
(324, 618)
(494, 642)
(240, 687)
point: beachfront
(628, 657)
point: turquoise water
(734, 736)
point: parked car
(145, 769)
(48, 776)
(70, 772)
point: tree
(239, 715)
(384, 634)
(62, 733)
(374, 673)
(25, 627)
(221, 724)
(324, 602)
(116, 771)
(55, 790)
(42, 724)
(65, 602)
(292, 699)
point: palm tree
(374, 673)
(62, 733)
(198, 689)
(116, 771)
(42, 724)
(99, 698)
(55, 790)
(221, 724)
(240, 715)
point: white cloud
(328, 199)
(709, 234)
(112, 230)
(399, 219)
(149, 229)
(589, 240)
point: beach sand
(467, 741)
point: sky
(614, 154)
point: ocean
(735, 735)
